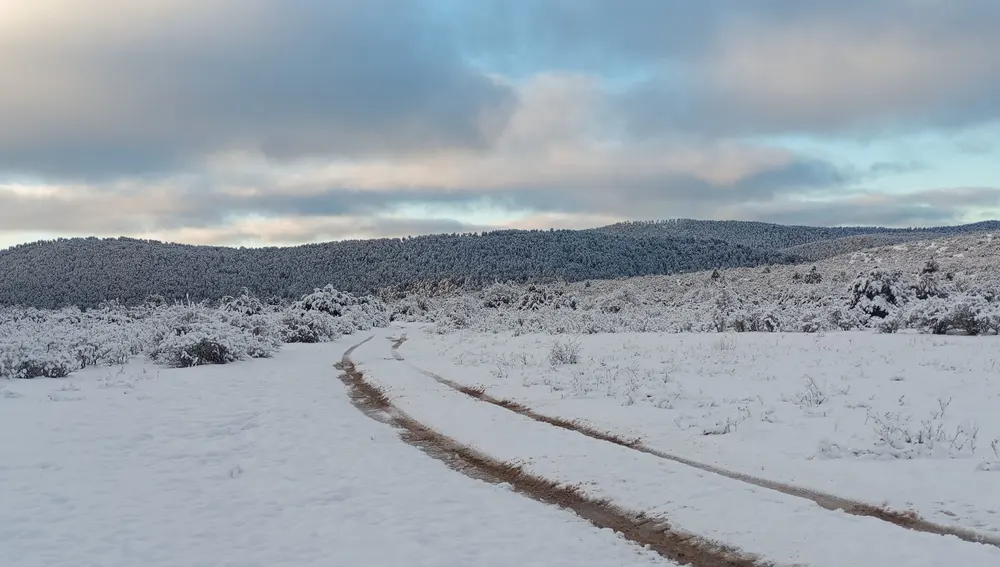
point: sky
(277, 122)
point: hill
(795, 240)
(86, 271)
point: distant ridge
(86, 271)
(784, 237)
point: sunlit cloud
(258, 121)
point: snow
(265, 461)
(828, 412)
(777, 527)
(262, 462)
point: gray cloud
(729, 67)
(346, 226)
(938, 207)
(152, 87)
(141, 112)
(291, 79)
(199, 204)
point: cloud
(937, 207)
(105, 88)
(735, 68)
(209, 121)
(109, 88)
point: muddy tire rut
(654, 533)
(907, 520)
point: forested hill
(781, 237)
(86, 271)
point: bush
(813, 277)
(876, 293)
(23, 362)
(309, 327)
(245, 303)
(564, 352)
(198, 336)
(328, 300)
(970, 314)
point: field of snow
(907, 421)
(255, 463)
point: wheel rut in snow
(908, 520)
(657, 534)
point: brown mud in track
(908, 520)
(657, 534)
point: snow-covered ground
(262, 462)
(909, 421)
(773, 526)
(267, 462)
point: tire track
(656, 534)
(907, 520)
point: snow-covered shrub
(457, 313)
(813, 276)
(309, 327)
(500, 295)
(930, 315)
(618, 301)
(327, 314)
(25, 361)
(928, 286)
(877, 293)
(812, 396)
(764, 319)
(937, 315)
(328, 300)
(969, 314)
(245, 303)
(564, 352)
(899, 439)
(354, 313)
(196, 335)
(410, 309)
(845, 319)
(365, 316)
(892, 323)
(811, 321)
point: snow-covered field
(258, 463)
(209, 434)
(909, 421)
(267, 462)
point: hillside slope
(794, 239)
(87, 271)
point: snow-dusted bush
(327, 300)
(622, 299)
(897, 437)
(354, 313)
(813, 276)
(23, 361)
(245, 303)
(877, 293)
(54, 343)
(410, 309)
(928, 286)
(309, 327)
(459, 312)
(970, 314)
(196, 335)
(564, 352)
